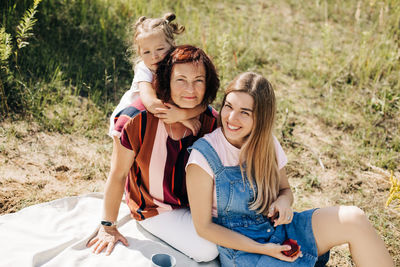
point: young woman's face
(188, 84)
(237, 117)
(152, 48)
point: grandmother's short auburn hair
(180, 55)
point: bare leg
(348, 224)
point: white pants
(176, 228)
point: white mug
(162, 260)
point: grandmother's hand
(106, 238)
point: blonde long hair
(257, 155)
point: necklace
(172, 134)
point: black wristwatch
(108, 223)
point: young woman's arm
(282, 205)
(200, 193)
(121, 162)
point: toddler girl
(153, 38)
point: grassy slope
(336, 73)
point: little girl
(153, 38)
(240, 197)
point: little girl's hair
(257, 156)
(165, 25)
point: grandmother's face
(188, 84)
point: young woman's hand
(193, 124)
(170, 113)
(106, 238)
(275, 250)
(280, 211)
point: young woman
(241, 200)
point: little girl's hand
(280, 212)
(158, 109)
(275, 250)
(170, 113)
(193, 124)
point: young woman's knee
(353, 216)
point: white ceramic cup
(162, 260)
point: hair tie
(166, 21)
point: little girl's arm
(174, 114)
(200, 193)
(149, 97)
(169, 113)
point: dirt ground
(36, 167)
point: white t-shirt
(142, 74)
(229, 156)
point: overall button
(269, 230)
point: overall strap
(209, 153)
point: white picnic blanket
(55, 234)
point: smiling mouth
(231, 127)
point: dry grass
(325, 169)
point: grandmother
(150, 156)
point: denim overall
(233, 196)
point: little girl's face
(152, 48)
(237, 117)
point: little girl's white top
(142, 74)
(229, 156)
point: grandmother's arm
(200, 192)
(121, 162)
(107, 236)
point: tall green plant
(9, 50)
(5, 53)
(24, 29)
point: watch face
(106, 223)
